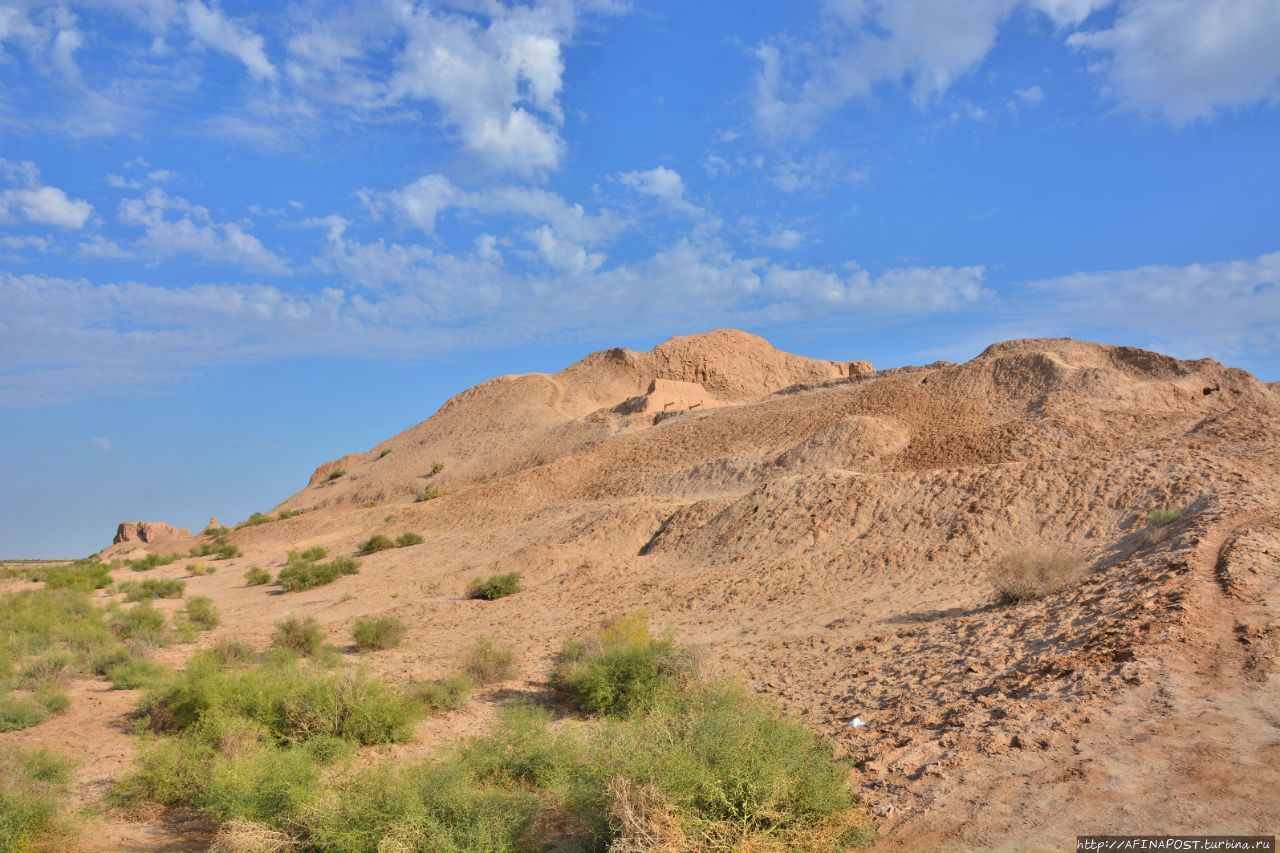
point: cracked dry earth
(823, 531)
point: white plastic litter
(855, 723)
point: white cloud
(173, 226)
(785, 239)
(1031, 95)
(39, 204)
(101, 442)
(211, 27)
(1188, 59)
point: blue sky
(238, 239)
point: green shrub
(219, 549)
(301, 634)
(84, 575)
(142, 623)
(404, 540)
(136, 673)
(436, 468)
(17, 713)
(152, 588)
(215, 532)
(50, 621)
(151, 561)
(1164, 515)
(384, 453)
(377, 542)
(200, 612)
(232, 651)
(256, 576)
(376, 633)
(428, 495)
(442, 694)
(200, 569)
(310, 555)
(1030, 573)
(35, 803)
(623, 669)
(494, 586)
(254, 520)
(487, 662)
(301, 576)
(51, 666)
(335, 474)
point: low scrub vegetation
(151, 561)
(310, 555)
(1163, 516)
(200, 612)
(428, 495)
(83, 575)
(201, 569)
(262, 518)
(404, 540)
(265, 749)
(152, 588)
(1028, 574)
(34, 800)
(215, 531)
(494, 586)
(256, 576)
(301, 634)
(442, 694)
(487, 661)
(335, 474)
(376, 633)
(137, 672)
(436, 468)
(308, 574)
(386, 451)
(219, 549)
(377, 542)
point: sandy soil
(823, 531)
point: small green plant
(486, 662)
(219, 548)
(200, 612)
(384, 453)
(369, 504)
(377, 542)
(310, 555)
(428, 495)
(296, 577)
(494, 586)
(198, 569)
(378, 633)
(136, 673)
(35, 807)
(256, 576)
(404, 540)
(1163, 516)
(152, 588)
(624, 669)
(436, 468)
(262, 518)
(151, 561)
(335, 474)
(215, 531)
(1028, 574)
(301, 634)
(442, 694)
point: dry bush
(1028, 574)
(245, 836)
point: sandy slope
(823, 530)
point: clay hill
(824, 532)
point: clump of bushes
(384, 453)
(152, 588)
(201, 612)
(84, 575)
(135, 673)
(150, 561)
(219, 549)
(378, 633)
(487, 662)
(377, 542)
(1162, 516)
(1028, 574)
(295, 577)
(494, 586)
(34, 800)
(301, 634)
(623, 669)
(142, 623)
(428, 495)
(310, 555)
(256, 576)
(215, 531)
(262, 518)
(404, 540)
(442, 694)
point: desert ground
(823, 532)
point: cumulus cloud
(36, 203)
(173, 226)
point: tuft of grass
(384, 453)
(310, 555)
(262, 518)
(136, 673)
(151, 561)
(494, 587)
(299, 634)
(335, 474)
(152, 588)
(428, 495)
(436, 468)
(624, 669)
(370, 504)
(378, 633)
(256, 576)
(35, 808)
(442, 694)
(487, 662)
(1162, 516)
(377, 542)
(200, 569)
(200, 612)
(296, 577)
(404, 540)
(1028, 574)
